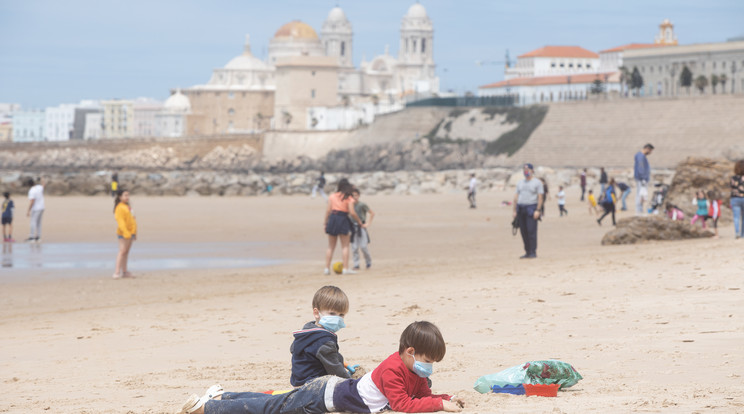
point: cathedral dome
(416, 11)
(336, 15)
(296, 30)
(177, 102)
(246, 61)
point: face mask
(527, 174)
(422, 369)
(332, 322)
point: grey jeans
(35, 224)
(360, 241)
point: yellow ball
(338, 267)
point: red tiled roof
(561, 51)
(554, 80)
(630, 46)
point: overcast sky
(62, 51)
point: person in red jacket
(398, 383)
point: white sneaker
(326, 271)
(349, 272)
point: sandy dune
(652, 328)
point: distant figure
(360, 234)
(701, 204)
(320, 183)
(561, 196)
(608, 202)
(114, 184)
(337, 226)
(545, 197)
(471, 190)
(35, 208)
(602, 180)
(737, 199)
(642, 175)
(624, 191)
(528, 202)
(7, 218)
(592, 203)
(674, 213)
(126, 232)
(714, 210)
(268, 188)
(583, 184)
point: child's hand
(452, 406)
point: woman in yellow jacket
(126, 231)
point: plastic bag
(533, 372)
(510, 376)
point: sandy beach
(656, 327)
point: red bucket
(541, 390)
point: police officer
(527, 204)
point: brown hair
(739, 167)
(117, 200)
(331, 298)
(425, 338)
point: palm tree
(685, 78)
(723, 78)
(714, 82)
(701, 82)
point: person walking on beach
(602, 180)
(471, 190)
(126, 232)
(642, 174)
(35, 209)
(608, 202)
(320, 183)
(7, 218)
(582, 179)
(337, 225)
(561, 196)
(528, 202)
(624, 191)
(737, 199)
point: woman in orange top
(126, 231)
(337, 225)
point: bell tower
(666, 34)
(336, 36)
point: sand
(656, 327)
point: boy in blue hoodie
(315, 350)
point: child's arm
(353, 213)
(423, 401)
(327, 213)
(371, 216)
(332, 360)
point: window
(570, 65)
(562, 65)
(723, 65)
(312, 93)
(231, 112)
(588, 65)
(552, 65)
(714, 65)
(423, 45)
(343, 48)
(578, 65)
(312, 73)
(414, 46)
(231, 95)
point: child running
(360, 235)
(561, 196)
(337, 226)
(7, 218)
(702, 207)
(398, 384)
(592, 203)
(315, 350)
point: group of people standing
(35, 211)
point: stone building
(307, 81)
(118, 118)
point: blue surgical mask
(527, 173)
(331, 322)
(422, 369)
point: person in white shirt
(561, 200)
(35, 209)
(471, 190)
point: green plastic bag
(534, 372)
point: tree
(625, 77)
(713, 82)
(723, 78)
(597, 87)
(636, 80)
(701, 82)
(685, 78)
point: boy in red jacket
(398, 383)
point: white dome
(337, 15)
(246, 61)
(417, 10)
(177, 102)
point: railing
(465, 101)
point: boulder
(640, 229)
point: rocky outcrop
(696, 173)
(640, 229)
